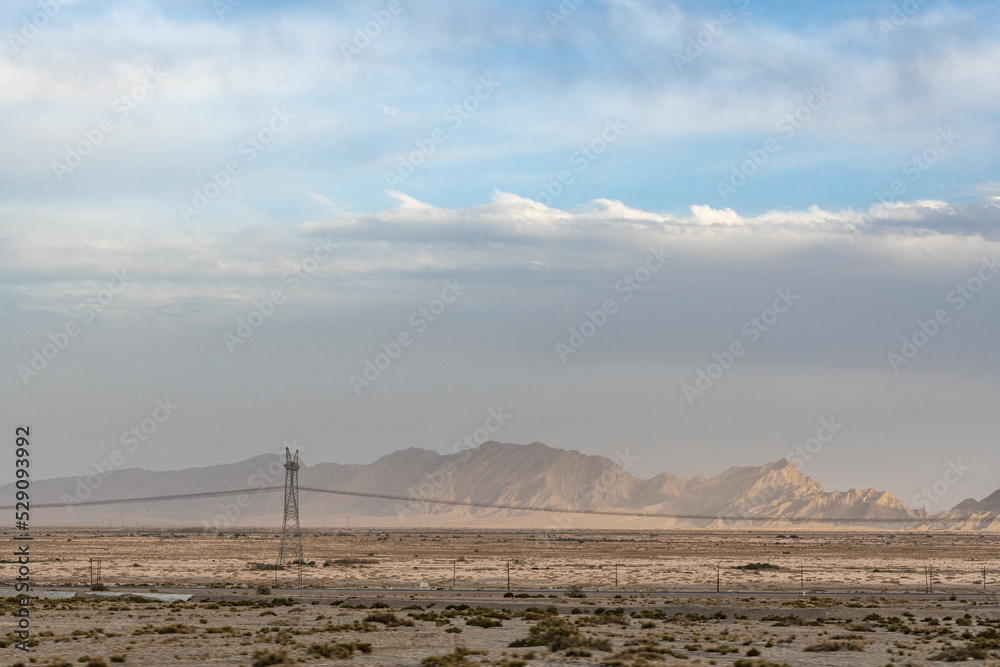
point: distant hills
(775, 495)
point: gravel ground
(231, 629)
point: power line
(559, 510)
(150, 499)
(483, 505)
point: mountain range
(483, 487)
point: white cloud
(509, 233)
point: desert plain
(749, 598)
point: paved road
(448, 593)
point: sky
(684, 235)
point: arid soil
(866, 599)
(672, 561)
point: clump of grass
(341, 650)
(276, 602)
(643, 653)
(346, 562)
(456, 658)
(974, 649)
(537, 613)
(558, 634)
(606, 617)
(262, 566)
(265, 658)
(388, 619)
(484, 622)
(172, 629)
(756, 566)
(826, 646)
(959, 654)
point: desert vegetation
(240, 616)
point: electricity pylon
(291, 531)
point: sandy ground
(687, 561)
(853, 611)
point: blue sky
(535, 152)
(892, 88)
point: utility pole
(454, 572)
(508, 575)
(802, 577)
(291, 531)
(984, 578)
(616, 575)
(718, 577)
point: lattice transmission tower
(291, 531)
